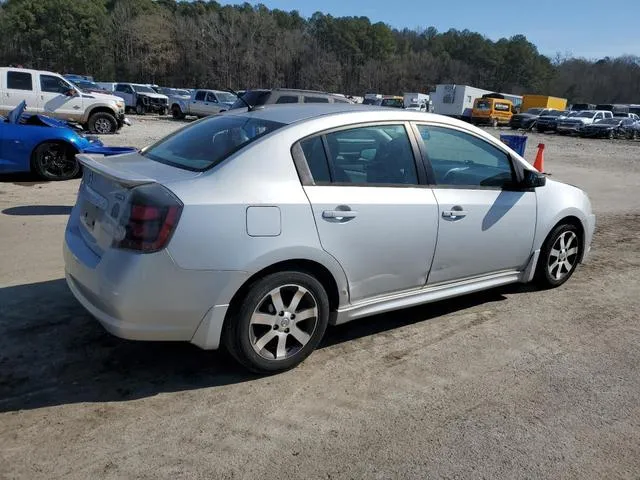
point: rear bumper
(146, 296)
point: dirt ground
(510, 383)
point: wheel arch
(100, 109)
(312, 267)
(575, 221)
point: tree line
(204, 44)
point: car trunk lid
(106, 189)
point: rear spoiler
(100, 164)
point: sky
(582, 28)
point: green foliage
(201, 43)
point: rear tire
(278, 323)
(103, 122)
(163, 111)
(559, 256)
(55, 161)
(494, 122)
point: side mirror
(533, 179)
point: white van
(50, 94)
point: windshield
(143, 89)
(392, 102)
(535, 111)
(585, 115)
(87, 85)
(609, 121)
(253, 98)
(555, 113)
(207, 142)
(226, 97)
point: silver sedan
(255, 230)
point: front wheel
(140, 110)
(176, 111)
(559, 256)
(280, 321)
(103, 122)
(55, 161)
(163, 111)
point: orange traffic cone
(539, 162)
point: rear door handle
(454, 214)
(339, 214)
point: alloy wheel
(102, 125)
(563, 255)
(283, 322)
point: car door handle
(454, 214)
(339, 214)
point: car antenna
(231, 90)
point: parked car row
(585, 123)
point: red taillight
(151, 220)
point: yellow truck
(542, 101)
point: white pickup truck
(50, 94)
(575, 123)
(202, 103)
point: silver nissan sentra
(255, 230)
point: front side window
(376, 155)
(211, 98)
(460, 159)
(206, 143)
(19, 81)
(200, 96)
(51, 84)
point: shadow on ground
(33, 210)
(52, 352)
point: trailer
(456, 100)
(542, 101)
(417, 101)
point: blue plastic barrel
(516, 142)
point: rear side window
(200, 96)
(19, 81)
(365, 155)
(205, 143)
(316, 159)
(316, 99)
(287, 99)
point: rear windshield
(207, 142)
(253, 98)
(483, 105)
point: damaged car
(46, 146)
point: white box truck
(456, 100)
(416, 101)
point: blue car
(46, 146)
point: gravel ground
(510, 383)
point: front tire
(559, 256)
(103, 122)
(279, 322)
(55, 161)
(140, 110)
(177, 113)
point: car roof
(299, 112)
